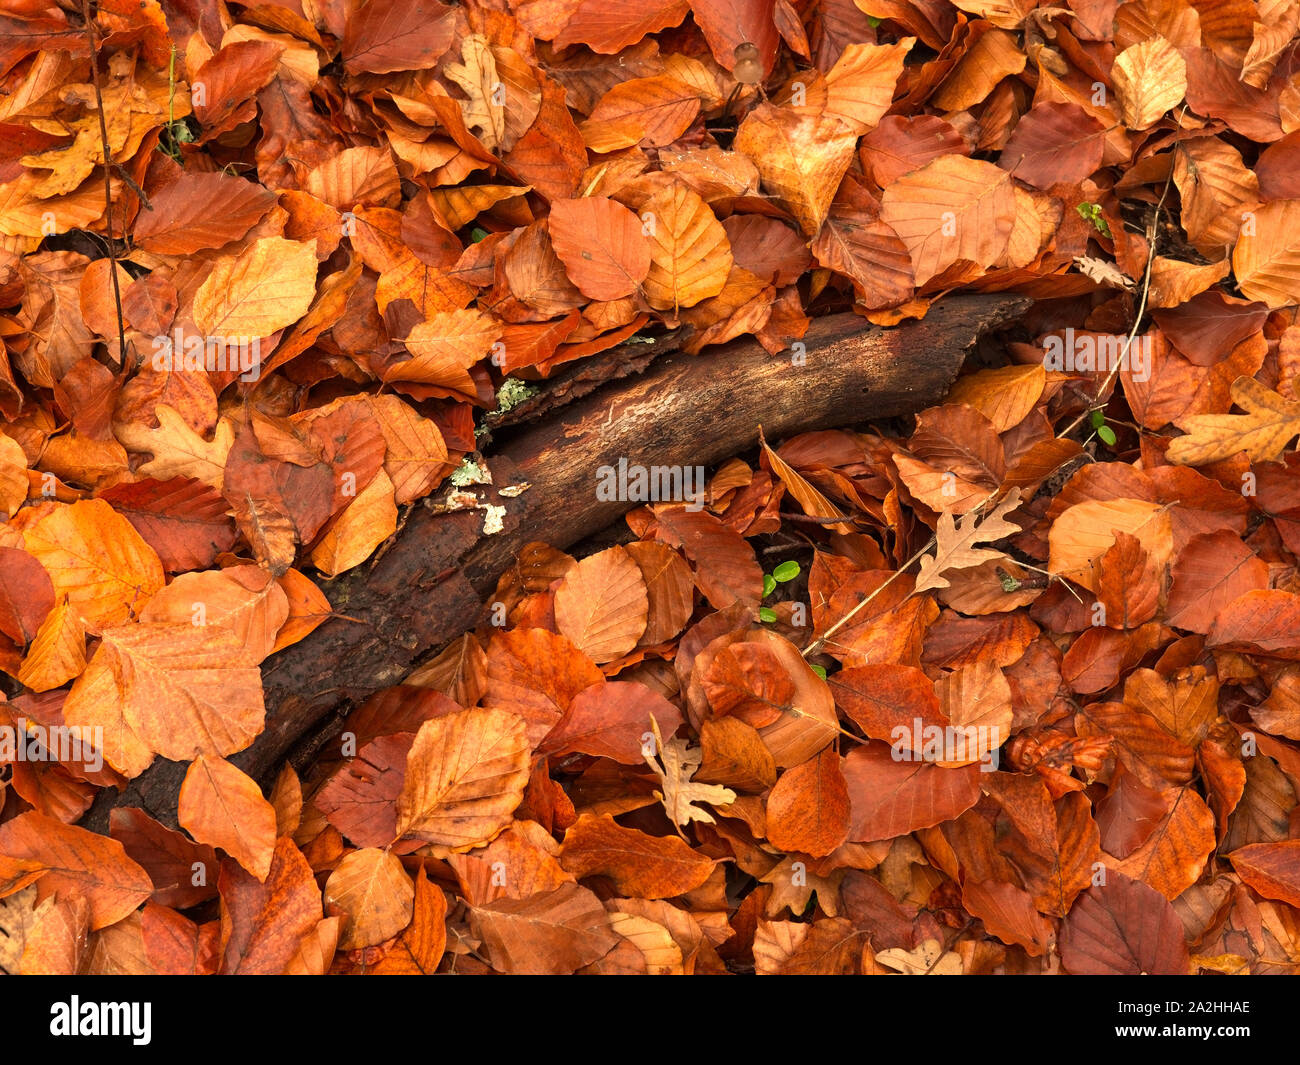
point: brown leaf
(808, 809)
(892, 798)
(263, 923)
(650, 867)
(1123, 927)
(548, 934)
(611, 720)
(465, 774)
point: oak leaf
(956, 548)
(675, 763)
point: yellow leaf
(860, 86)
(1266, 260)
(178, 451)
(1086, 531)
(1263, 433)
(1150, 78)
(444, 347)
(58, 653)
(801, 157)
(484, 110)
(96, 559)
(372, 891)
(244, 600)
(13, 476)
(601, 605)
(268, 286)
(690, 256)
(814, 504)
(368, 521)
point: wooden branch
(683, 410)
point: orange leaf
(224, 808)
(690, 257)
(1272, 869)
(374, 894)
(78, 864)
(892, 798)
(601, 245)
(96, 559)
(601, 605)
(808, 809)
(421, 945)
(952, 209)
(551, 933)
(802, 158)
(465, 775)
(263, 923)
(648, 867)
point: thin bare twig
(1098, 403)
(108, 175)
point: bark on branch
(681, 410)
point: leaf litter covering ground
(392, 206)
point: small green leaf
(819, 670)
(875, 22)
(1098, 419)
(1107, 435)
(1091, 212)
(769, 584)
(766, 614)
(477, 233)
(786, 571)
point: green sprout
(786, 571)
(1091, 212)
(1104, 431)
(175, 131)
